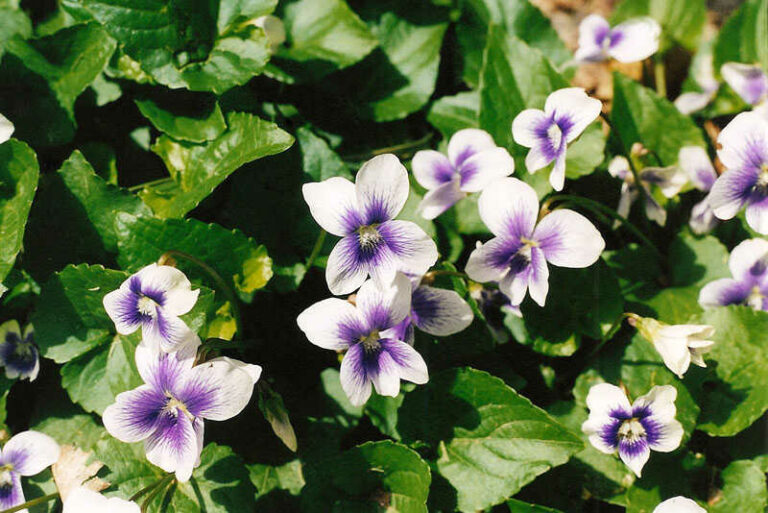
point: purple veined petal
(653, 210)
(384, 372)
(355, 380)
(724, 292)
(514, 284)
(178, 297)
(731, 192)
(412, 250)
(30, 452)
(440, 199)
(509, 208)
(11, 492)
(538, 282)
(627, 196)
(619, 168)
(401, 331)
(605, 399)
(331, 324)
(593, 31)
(670, 180)
(122, 307)
(634, 40)
(557, 175)
(749, 261)
(383, 306)
(432, 169)
(696, 163)
(83, 500)
(573, 110)
(381, 187)
(485, 167)
(491, 261)
(134, 414)
(466, 143)
(174, 444)
(6, 129)
(679, 505)
(748, 81)
(333, 204)
(526, 127)
(690, 102)
(634, 454)
(347, 265)
(744, 143)
(439, 312)
(410, 365)
(703, 219)
(568, 239)
(602, 433)
(757, 212)
(163, 371)
(658, 403)
(166, 332)
(218, 389)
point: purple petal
(466, 143)
(431, 169)
(412, 250)
(347, 265)
(703, 219)
(173, 446)
(30, 452)
(439, 312)
(509, 208)
(354, 375)
(333, 204)
(440, 199)
(134, 415)
(122, 307)
(382, 189)
(410, 365)
(750, 82)
(491, 261)
(592, 33)
(381, 306)
(483, 168)
(21, 358)
(217, 389)
(403, 331)
(634, 40)
(723, 292)
(11, 493)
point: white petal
(515, 286)
(569, 239)
(638, 39)
(627, 197)
(573, 110)
(179, 296)
(354, 380)
(119, 305)
(671, 437)
(333, 204)
(604, 398)
(225, 388)
(538, 283)
(737, 140)
(133, 416)
(488, 262)
(592, 32)
(509, 207)
(619, 167)
(481, 169)
(688, 103)
(757, 216)
(83, 500)
(749, 81)
(150, 362)
(411, 366)
(695, 162)
(344, 273)
(431, 169)
(749, 260)
(636, 462)
(675, 353)
(323, 323)
(468, 142)
(6, 129)
(724, 291)
(536, 159)
(653, 210)
(386, 379)
(593, 428)
(440, 312)
(557, 175)
(661, 401)
(176, 449)
(174, 335)
(668, 179)
(526, 125)
(31, 452)
(387, 304)
(382, 188)
(412, 250)
(703, 219)
(440, 199)
(679, 505)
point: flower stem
(390, 149)
(151, 183)
(216, 277)
(441, 272)
(32, 502)
(660, 76)
(155, 490)
(316, 249)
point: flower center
(755, 298)
(6, 477)
(555, 136)
(631, 430)
(762, 178)
(369, 237)
(147, 306)
(371, 343)
(174, 407)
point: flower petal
(573, 110)
(439, 312)
(346, 269)
(703, 219)
(466, 143)
(331, 323)
(568, 239)
(724, 292)
(619, 167)
(354, 376)
(731, 192)
(749, 81)
(413, 251)
(696, 163)
(557, 175)
(538, 283)
(749, 260)
(83, 500)
(174, 445)
(440, 199)
(605, 398)
(653, 210)
(491, 261)
(690, 102)
(431, 169)
(382, 306)
(592, 33)
(744, 143)
(674, 351)
(411, 366)
(526, 128)
(121, 306)
(670, 180)
(333, 204)
(385, 374)
(13, 495)
(757, 214)
(515, 284)
(634, 454)
(133, 416)
(218, 389)
(481, 169)
(31, 452)
(635, 39)
(163, 370)
(679, 505)
(660, 402)
(175, 286)
(510, 207)
(168, 333)
(627, 197)
(381, 187)
(6, 129)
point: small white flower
(632, 430)
(749, 286)
(18, 352)
(567, 112)
(695, 162)
(679, 345)
(83, 500)
(749, 81)
(26, 454)
(630, 41)
(679, 505)
(153, 299)
(6, 129)
(703, 74)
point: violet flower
(750, 82)
(18, 352)
(630, 41)
(83, 500)
(26, 454)
(695, 162)
(749, 286)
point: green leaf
(367, 476)
(744, 36)
(681, 21)
(450, 114)
(289, 476)
(697, 260)
(319, 161)
(198, 129)
(18, 182)
(640, 115)
(13, 22)
(490, 440)
(196, 169)
(738, 393)
(219, 485)
(242, 262)
(86, 381)
(743, 489)
(232, 12)
(72, 427)
(518, 18)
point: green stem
(141, 186)
(441, 272)
(33, 502)
(216, 277)
(390, 149)
(316, 249)
(159, 487)
(660, 77)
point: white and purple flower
(679, 504)
(703, 74)
(567, 113)
(26, 454)
(83, 500)
(749, 286)
(670, 180)
(6, 129)
(679, 345)
(362, 213)
(633, 430)
(168, 411)
(18, 352)
(472, 163)
(744, 153)
(695, 162)
(153, 299)
(518, 254)
(368, 333)
(436, 311)
(750, 82)
(633, 40)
